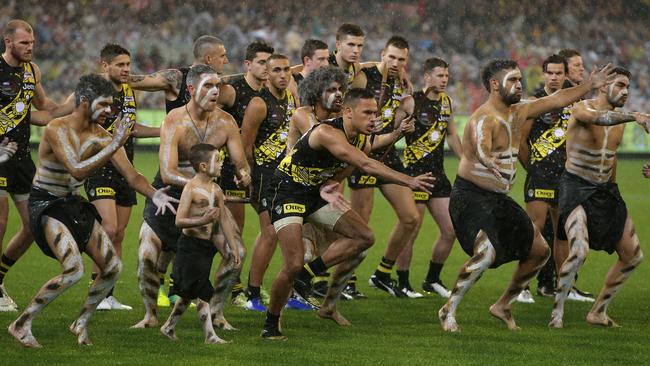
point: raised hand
(7, 149)
(601, 77)
(163, 201)
(643, 120)
(122, 129)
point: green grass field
(385, 330)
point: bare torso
(591, 149)
(51, 174)
(491, 134)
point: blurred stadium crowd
(159, 34)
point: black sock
(434, 271)
(403, 279)
(271, 321)
(353, 280)
(254, 291)
(5, 266)
(384, 268)
(110, 293)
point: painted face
(395, 59)
(576, 69)
(118, 69)
(100, 109)
(332, 97)
(363, 114)
(318, 60)
(279, 72)
(617, 92)
(510, 86)
(350, 47)
(554, 77)
(257, 67)
(21, 45)
(206, 92)
(217, 58)
(437, 79)
(215, 164)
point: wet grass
(385, 330)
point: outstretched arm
(585, 114)
(335, 142)
(564, 97)
(169, 81)
(141, 130)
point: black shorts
(227, 182)
(359, 179)
(606, 211)
(192, 265)
(541, 184)
(294, 203)
(506, 224)
(16, 175)
(262, 186)
(441, 187)
(110, 185)
(163, 225)
(73, 211)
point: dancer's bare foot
(556, 320)
(147, 322)
(23, 335)
(81, 331)
(601, 319)
(333, 314)
(168, 332)
(221, 323)
(505, 315)
(215, 340)
(447, 321)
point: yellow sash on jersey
(15, 112)
(127, 109)
(274, 145)
(552, 138)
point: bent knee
(410, 222)
(72, 275)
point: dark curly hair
(493, 68)
(92, 86)
(317, 81)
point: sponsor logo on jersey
(3, 181)
(420, 196)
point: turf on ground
(385, 330)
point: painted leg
(148, 279)
(169, 328)
(484, 255)
(65, 249)
(576, 229)
(203, 309)
(226, 276)
(101, 250)
(629, 257)
(526, 271)
(340, 278)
